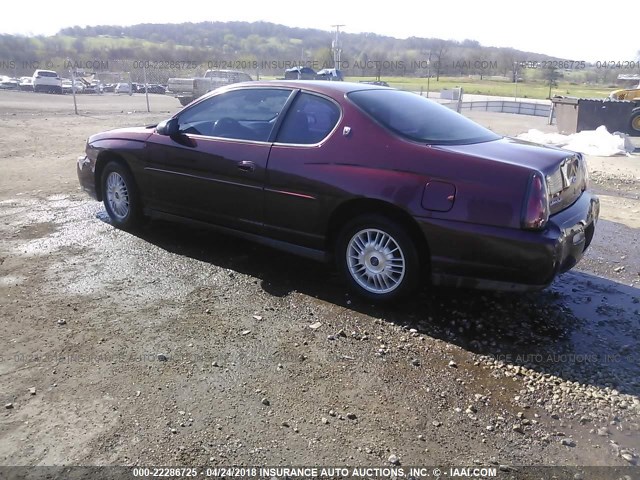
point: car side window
(245, 114)
(310, 119)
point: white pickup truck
(188, 89)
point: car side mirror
(169, 127)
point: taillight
(584, 170)
(536, 207)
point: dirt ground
(182, 347)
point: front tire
(378, 258)
(120, 196)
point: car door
(298, 186)
(214, 168)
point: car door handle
(246, 166)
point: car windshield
(417, 118)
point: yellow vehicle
(632, 94)
(626, 94)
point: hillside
(259, 46)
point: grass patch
(501, 88)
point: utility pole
(73, 86)
(515, 79)
(428, 73)
(336, 46)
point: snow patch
(598, 142)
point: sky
(571, 29)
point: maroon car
(389, 184)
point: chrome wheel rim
(375, 261)
(117, 195)
(635, 123)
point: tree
(551, 75)
(477, 63)
(363, 59)
(467, 43)
(440, 53)
(78, 44)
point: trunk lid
(564, 170)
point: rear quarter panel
(373, 162)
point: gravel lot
(178, 346)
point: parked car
(26, 84)
(109, 87)
(154, 88)
(150, 88)
(9, 83)
(93, 87)
(47, 81)
(331, 74)
(300, 73)
(122, 88)
(388, 183)
(67, 86)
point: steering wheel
(225, 126)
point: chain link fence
(82, 81)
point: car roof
(319, 86)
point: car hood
(513, 151)
(130, 133)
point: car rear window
(417, 118)
(44, 73)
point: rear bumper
(478, 256)
(86, 176)
(49, 87)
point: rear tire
(120, 196)
(634, 123)
(378, 258)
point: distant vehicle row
(50, 82)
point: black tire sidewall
(402, 238)
(133, 218)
